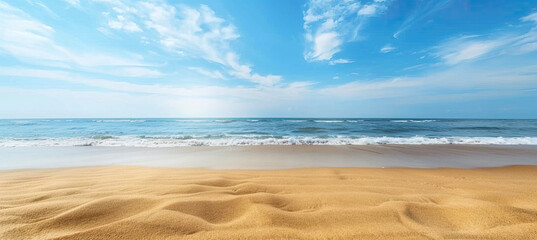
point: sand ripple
(342, 203)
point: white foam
(295, 121)
(328, 121)
(191, 120)
(246, 140)
(119, 120)
(422, 121)
(412, 121)
(224, 121)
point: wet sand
(272, 157)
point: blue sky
(242, 58)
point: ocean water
(262, 131)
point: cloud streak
(387, 48)
(473, 47)
(423, 9)
(210, 74)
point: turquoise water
(262, 131)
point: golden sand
(325, 203)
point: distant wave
(23, 122)
(329, 121)
(192, 120)
(246, 140)
(412, 121)
(224, 121)
(120, 120)
(206, 120)
(295, 121)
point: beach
(325, 192)
(309, 119)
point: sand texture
(122, 202)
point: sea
(170, 132)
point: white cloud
(144, 99)
(196, 32)
(470, 51)
(468, 48)
(58, 103)
(339, 61)
(423, 9)
(188, 32)
(75, 3)
(451, 80)
(325, 45)
(44, 7)
(440, 84)
(368, 10)
(31, 41)
(260, 92)
(386, 49)
(531, 17)
(134, 72)
(211, 74)
(529, 47)
(122, 23)
(245, 72)
(329, 24)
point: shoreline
(273, 157)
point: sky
(277, 58)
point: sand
(126, 202)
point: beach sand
(128, 202)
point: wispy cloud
(454, 80)
(368, 10)
(329, 24)
(292, 90)
(423, 9)
(245, 72)
(44, 7)
(531, 17)
(188, 32)
(75, 3)
(440, 85)
(140, 72)
(122, 23)
(387, 48)
(338, 61)
(468, 48)
(210, 74)
(33, 42)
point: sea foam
(178, 141)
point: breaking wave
(253, 140)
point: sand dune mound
(343, 203)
